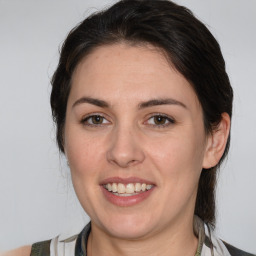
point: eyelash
(170, 120)
(166, 118)
(85, 119)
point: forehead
(145, 62)
(122, 72)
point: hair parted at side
(187, 43)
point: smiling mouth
(125, 190)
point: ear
(216, 142)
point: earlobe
(216, 143)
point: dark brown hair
(188, 44)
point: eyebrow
(146, 104)
(93, 101)
(156, 102)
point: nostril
(123, 163)
(124, 152)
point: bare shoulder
(22, 251)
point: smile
(126, 192)
(130, 189)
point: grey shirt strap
(41, 248)
(81, 242)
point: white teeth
(114, 187)
(127, 189)
(109, 187)
(120, 188)
(137, 187)
(124, 195)
(148, 187)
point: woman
(142, 104)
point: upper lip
(125, 180)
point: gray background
(36, 197)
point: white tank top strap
(63, 247)
(68, 244)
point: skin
(128, 142)
(22, 251)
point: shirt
(208, 244)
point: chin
(128, 227)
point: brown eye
(97, 119)
(160, 120)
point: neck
(174, 240)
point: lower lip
(126, 200)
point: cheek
(179, 155)
(84, 153)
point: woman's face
(134, 126)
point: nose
(125, 149)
